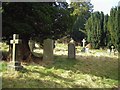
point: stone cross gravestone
(15, 64)
(48, 50)
(83, 42)
(71, 50)
(112, 50)
(83, 49)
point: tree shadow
(99, 66)
(46, 74)
(29, 83)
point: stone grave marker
(15, 63)
(71, 50)
(48, 50)
(83, 42)
(112, 50)
(83, 49)
(108, 51)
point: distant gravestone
(112, 50)
(83, 49)
(71, 50)
(83, 42)
(108, 51)
(15, 63)
(48, 50)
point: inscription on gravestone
(48, 50)
(15, 64)
(71, 50)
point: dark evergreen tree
(94, 28)
(106, 33)
(113, 27)
(30, 20)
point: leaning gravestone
(48, 50)
(15, 63)
(71, 50)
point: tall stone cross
(15, 62)
(83, 42)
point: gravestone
(71, 50)
(15, 63)
(109, 51)
(87, 47)
(112, 50)
(48, 50)
(83, 49)
(83, 42)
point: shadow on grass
(85, 67)
(102, 66)
(49, 73)
(29, 83)
(21, 82)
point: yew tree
(39, 20)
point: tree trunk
(24, 50)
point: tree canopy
(31, 20)
(81, 13)
(102, 30)
(113, 27)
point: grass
(64, 73)
(83, 72)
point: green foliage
(84, 72)
(36, 20)
(94, 28)
(65, 73)
(113, 27)
(102, 30)
(106, 33)
(81, 12)
(118, 29)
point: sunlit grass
(86, 71)
(64, 73)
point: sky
(104, 5)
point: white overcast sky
(104, 5)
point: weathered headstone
(71, 50)
(108, 51)
(86, 50)
(87, 47)
(15, 63)
(48, 50)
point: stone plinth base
(15, 66)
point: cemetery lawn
(63, 73)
